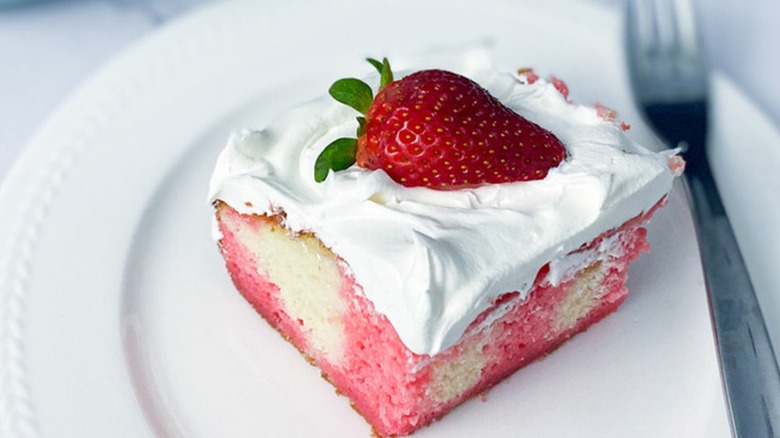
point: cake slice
(476, 222)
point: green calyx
(385, 72)
(353, 93)
(340, 154)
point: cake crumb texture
(308, 294)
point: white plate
(118, 318)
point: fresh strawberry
(441, 130)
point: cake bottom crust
(306, 292)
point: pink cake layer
(398, 391)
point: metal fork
(669, 79)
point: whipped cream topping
(432, 261)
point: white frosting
(429, 260)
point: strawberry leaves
(385, 73)
(340, 153)
(353, 93)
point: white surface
(118, 320)
(746, 155)
(49, 47)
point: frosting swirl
(430, 260)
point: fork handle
(748, 364)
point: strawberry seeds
(440, 130)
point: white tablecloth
(50, 47)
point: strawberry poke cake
(421, 238)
